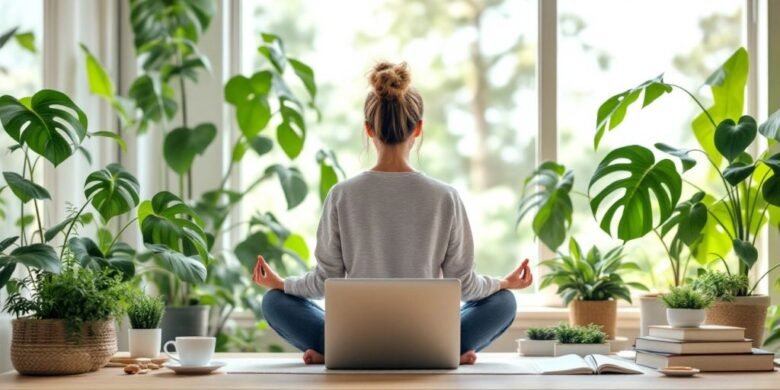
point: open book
(590, 364)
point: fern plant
(577, 334)
(686, 298)
(541, 333)
(591, 276)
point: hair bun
(390, 81)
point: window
(600, 54)
(475, 67)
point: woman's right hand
(518, 279)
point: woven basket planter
(602, 313)
(744, 312)
(38, 347)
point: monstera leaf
(552, 202)
(89, 255)
(36, 256)
(166, 220)
(291, 133)
(329, 171)
(690, 219)
(182, 145)
(612, 111)
(50, 124)
(113, 191)
(687, 161)
(186, 268)
(153, 19)
(771, 128)
(250, 97)
(292, 182)
(24, 189)
(154, 98)
(632, 180)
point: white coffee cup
(192, 351)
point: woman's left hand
(265, 276)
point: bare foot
(468, 357)
(313, 357)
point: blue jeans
(302, 323)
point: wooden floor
(114, 378)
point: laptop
(392, 323)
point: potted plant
(538, 342)
(590, 283)
(580, 340)
(685, 307)
(718, 226)
(69, 323)
(145, 335)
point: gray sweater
(393, 225)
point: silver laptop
(392, 323)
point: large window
(474, 63)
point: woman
(391, 222)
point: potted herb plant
(538, 342)
(68, 326)
(145, 335)
(590, 283)
(580, 340)
(718, 226)
(685, 307)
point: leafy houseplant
(580, 340)
(145, 314)
(538, 342)
(589, 283)
(710, 227)
(166, 36)
(685, 306)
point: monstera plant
(633, 194)
(166, 36)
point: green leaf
(771, 128)
(52, 126)
(36, 256)
(114, 136)
(291, 133)
(612, 111)
(89, 255)
(728, 85)
(6, 272)
(250, 97)
(188, 68)
(154, 19)
(715, 241)
(7, 242)
(24, 189)
(731, 139)
(690, 218)
(292, 182)
(737, 172)
(632, 194)
(182, 145)
(154, 98)
(113, 191)
(306, 75)
(99, 82)
(261, 145)
(328, 171)
(551, 201)
(688, 162)
(27, 41)
(6, 36)
(187, 269)
(746, 252)
(274, 53)
(296, 244)
(166, 220)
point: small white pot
(581, 349)
(652, 312)
(685, 318)
(536, 347)
(145, 342)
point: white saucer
(194, 370)
(679, 372)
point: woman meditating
(391, 222)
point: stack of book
(708, 348)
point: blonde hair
(392, 108)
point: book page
(606, 364)
(561, 365)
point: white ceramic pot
(536, 347)
(581, 349)
(685, 318)
(145, 342)
(651, 312)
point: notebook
(702, 333)
(657, 344)
(758, 360)
(590, 364)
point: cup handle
(165, 349)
